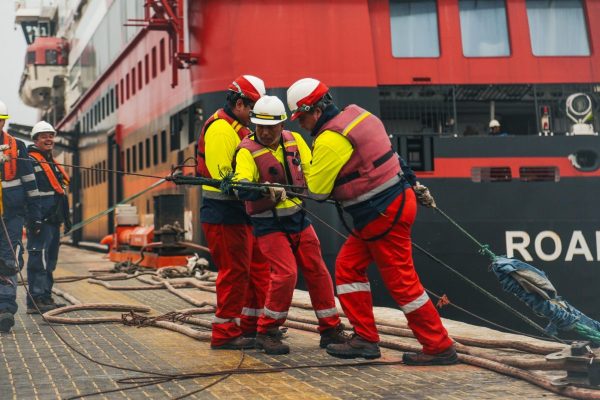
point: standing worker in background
(52, 181)
(285, 236)
(243, 272)
(496, 129)
(19, 200)
(353, 162)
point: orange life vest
(10, 167)
(45, 165)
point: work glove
(35, 227)
(276, 194)
(424, 197)
(68, 226)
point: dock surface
(35, 364)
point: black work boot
(334, 336)
(7, 320)
(41, 306)
(446, 357)
(51, 302)
(239, 343)
(271, 343)
(281, 334)
(354, 348)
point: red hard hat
(303, 94)
(248, 86)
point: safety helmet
(248, 86)
(3, 111)
(494, 123)
(304, 94)
(268, 110)
(40, 127)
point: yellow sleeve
(245, 167)
(331, 151)
(305, 153)
(220, 141)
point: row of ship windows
(145, 154)
(557, 28)
(128, 86)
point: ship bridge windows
(414, 28)
(483, 28)
(558, 28)
(51, 57)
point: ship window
(103, 107)
(51, 57)
(104, 173)
(148, 153)
(134, 158)
(147, 68)
(414, 27)
(491, 174)
(133, 81)
(155, 149)
(117, 95)
(140, 75)
(121, 160)
(539, 174)
(154, 62)
(127, 85)
(122, 91)
(557, 28)
(128, 160)
(112, 100)
(483, 28)
(30, 59)
(162, 55)
(163, 146)
(141, 155)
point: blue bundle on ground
(532, 286)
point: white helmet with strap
(268, 110)
(41, 127)
(3, 111)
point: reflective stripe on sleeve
(353, 287)
(51, 193)
(28, 178)
(415, 304)
(9, 184)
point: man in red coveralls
(243, 272)
(285, 236)
(353, 163)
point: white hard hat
(248, 86)
(40, 127)
(303, 94)
(494, 123)
(3, 111)
(268, 110)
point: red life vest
(373, 164)
(271, 170)
(241, 130)
(45, 165)
(10, 167)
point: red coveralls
(243, 271)
(378, 174)
(287, 240)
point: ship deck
(35, 364)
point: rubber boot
(271, 343)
